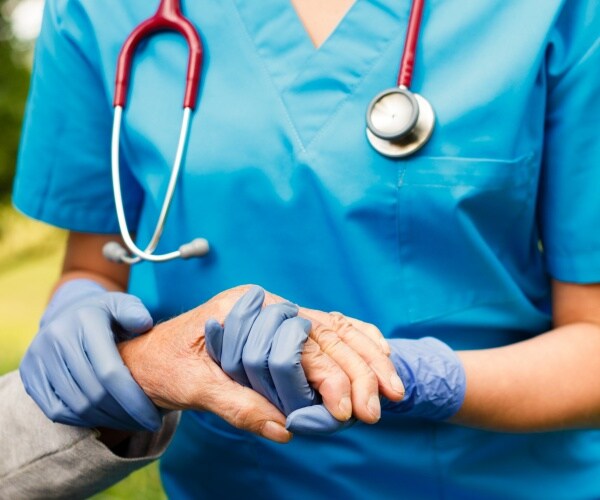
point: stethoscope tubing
(407, 63)
(168, 17)
(147, 253)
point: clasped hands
(252, 366)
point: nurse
(486, 239)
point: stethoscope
(399, 122)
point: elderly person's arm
(41, 459)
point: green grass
(30, 259)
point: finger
(371, 331)
(257, 350)
(328, 379)
(35, 382)
(315, 420)
(285, 365)
(84, 394)
(112, 373)
(368, 329)
(129, 312)
(213, 333)
(365, 394)
(245, 409)
(389, 382)
(237, 328)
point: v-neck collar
(314, 82)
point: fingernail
(276, 432)
(374, 406)
(396, 383)
(385, 346)
(345, 407)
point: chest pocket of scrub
(462, 224)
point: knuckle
(329, 342)
(374, 330)
(369, 378)
(253, 361)
(242, 417)
(51, 412)
(98, 398)
(81, 408)
(108, 376)
(335, 383)
(311, 348)
(52, 332)
(280, 364)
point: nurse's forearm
(551, 381)
(84, 259)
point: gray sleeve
(41, 459)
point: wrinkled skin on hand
(345, 360)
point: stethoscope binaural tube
(400, 122)
(168, 17)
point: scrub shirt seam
(378, 59)
(42, 212)
(269, 77)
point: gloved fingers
(315, 420)
(245, 409)
(112, 373)
(129, 312)
(255, 355)
(237, 328)
(390, 384)
(213, 334)
(328, 379)
(37, 386)
(90, 412)
(286, 368)
(86, 395)
(365, 386)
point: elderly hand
(172, 366)
(345, 360)
(262, 349)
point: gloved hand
(73, 369)
(433, 377)
(262, 349)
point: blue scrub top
(459, 241)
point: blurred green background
(31, 252)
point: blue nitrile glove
(262, 349)
(73, 369)
(433, 377)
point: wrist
(133, 353)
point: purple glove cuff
(433, 376)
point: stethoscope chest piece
(399, 122)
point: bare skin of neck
(320, 17)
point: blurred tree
(14, 82)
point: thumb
(129, 312)
(247, 410)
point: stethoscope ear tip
(198, 247)
(114, 252)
